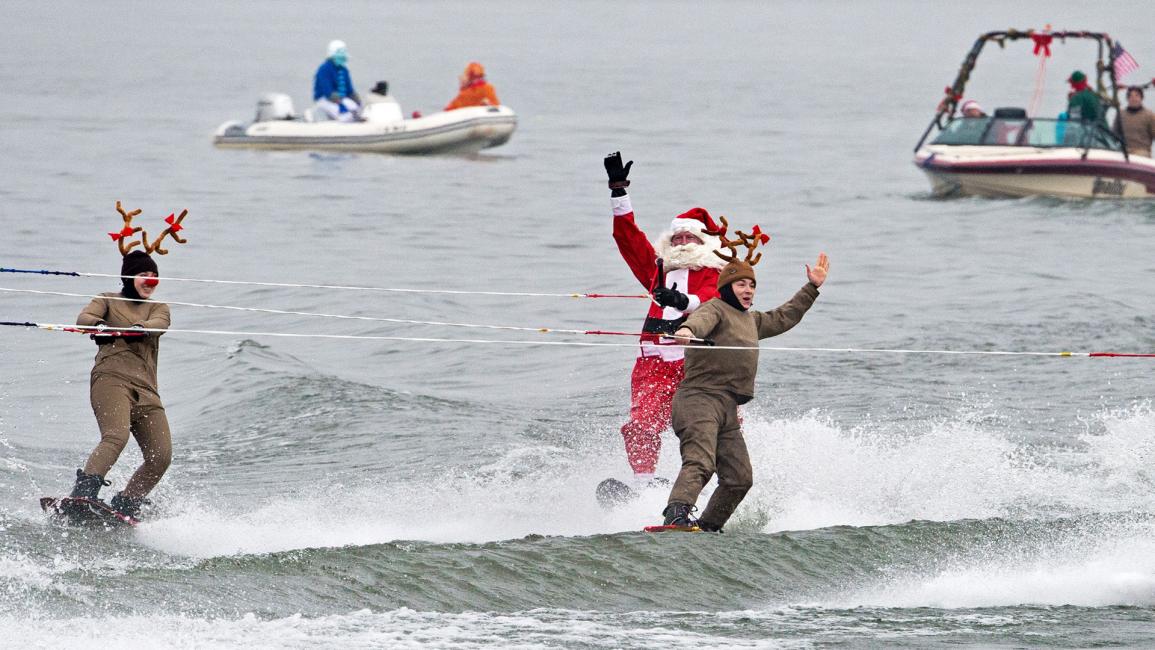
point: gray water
(358, 493)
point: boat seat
(1011, 113)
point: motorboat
(1013, 154)
(381, 127)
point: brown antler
(173, 228)
(121, 238)
(726, 243)
(750, 241)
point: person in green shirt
(1084, 104)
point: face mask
(728, 296)
(340, 58)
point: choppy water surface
(344, 493)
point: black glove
(671, 297)
(617, 173)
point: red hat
(695, 220)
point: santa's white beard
(689, 256)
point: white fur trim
(621, 205)
(695, 302)
(685, 224)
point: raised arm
(633, 244)
(776, 321)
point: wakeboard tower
(81, 511)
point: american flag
(1124, 62)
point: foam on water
(1095, 569)
(540, 490)
(810, 473)
(402, 628)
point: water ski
(672, 529)
(81, 511)
(612, 493)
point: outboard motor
(275, 106)
(379, 106)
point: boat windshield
(1024, 132)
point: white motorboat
(382, 129)
(1010, 154)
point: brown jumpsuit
(705, 409)
(123, 390)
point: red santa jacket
(699, 285)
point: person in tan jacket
(123, 387)
(1136, 123)
(717, 381)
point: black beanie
(138, 262)
(135, 263)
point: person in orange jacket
(475, 90)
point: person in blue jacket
(333, 89)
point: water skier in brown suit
(705, 408)
(123, 386)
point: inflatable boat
(382, 128)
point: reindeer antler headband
(122, 238)
(750, 241)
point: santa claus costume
(681, 279)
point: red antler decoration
(174, 227)
(122, 238)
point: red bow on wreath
(1042, 43)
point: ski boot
(678, 516)
(707, 527)
(88, 486)
(128, 506)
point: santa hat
(969, 104)
(695, 221)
